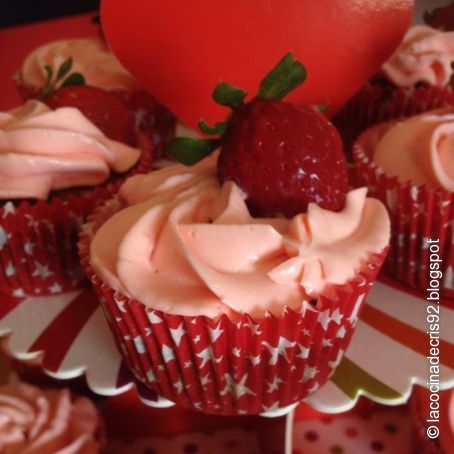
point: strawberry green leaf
(49, 73)
(217, 130)
(322, 107)
(283, 78)
(228, 95)
(190, 151)
(74, 79)
(64, 68)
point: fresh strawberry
(103, 108)
(283, 156)
(441, 18)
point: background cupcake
(47, 421)
(56, 166)
(415, 79)
(409, 166)
(92, 59)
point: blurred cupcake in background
(415, 79)
(409, 165)
(56, 166)
(47, 421)
(92, 59)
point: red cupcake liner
(224, 366)
(149, 115)
(379, 103)
(417, 214)
(38, 240)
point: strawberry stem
(282, 79)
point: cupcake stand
(71, 338)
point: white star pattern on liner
(335, 363)
(354, 316)
(237, 389)
(314, 388)
(10, 270)
(255, 329)
(55, 288)
(8, 208)
(42, 271)
(147, 329)
(194, 321)
(303, 353)
(161, 368)
(167, 354)
(273, 407)
(187, 364)
(341, 333)
(153, 318)
(207, 355)
(28, 247)
(179, 386)
(324, 319)
(32, 222)
(4, 237)
(274, 385)
(280, 349)
(177, 334)
(205, 380)
(337, 316)
(309, 373)
(140, 346)
(236, 351)
(215, 333)
(19, 292)
(151, 376)
(197, 405)
(120, 304)
(197, 339)
(327, 343)
(255, 360)
(293, 368)
(306, 332)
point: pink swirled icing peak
(420, 149)
(35, 421)
(187, 245)
(42, 150)
(91, 57)
(424, 55)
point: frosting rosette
(420, 149)
(184, 244)
(425, 55)
(91, 57)
(43, 150)
(46, 422)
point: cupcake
(233, 285)
(92, 59)
(409, 166)
(47, 421)
(415, 79)
(441, 413)
(56, 166)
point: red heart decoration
(180, 49)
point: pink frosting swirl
(42, 150)
(420, 150)
(35, 421)
(187, 245)
(91, 57)
(425, 55)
